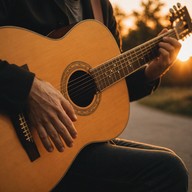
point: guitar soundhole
(81, 88)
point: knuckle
(52, 118)
(43, 137)
(67, 103)
(62, 131)
(68, 123)
(172, 49)
(166, 54)
(179, 45)
(53, 134)
(45, 122)
(66, 136)
(56, 108)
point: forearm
(15, 85)
(139, 85)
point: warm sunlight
(186, 50)
(129, 6)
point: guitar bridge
(25, 129)
(24, 134)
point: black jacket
(43, 16)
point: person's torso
(44, 16)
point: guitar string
(112, 60)
(90, 84)
(120, 57)
(133, 58)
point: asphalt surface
(159, 128)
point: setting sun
(129, 6)
(186, 50)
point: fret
(104, 78)
(124, 65)
(151, 56)
(142, 59)
(115, 65)
(121, 66)
(111, 77)
(143, 51)
(121, 72)
(114, 77)
(126, 70)
(100, 82)
(136, 63)
(130, 64)
(131, 59)
(118, 69)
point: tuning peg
(171, 11)
(179, 5)
(174, 7)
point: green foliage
(172, 100)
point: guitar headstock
(181, 21)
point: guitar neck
(128, 62)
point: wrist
(150, 74)
(34, 87)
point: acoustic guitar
(89, 70)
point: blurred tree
(148, 23)
(120, 16)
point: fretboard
(128, 62)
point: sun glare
(186, 50)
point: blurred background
(141, 20)
(165, 117)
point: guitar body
(88, 42)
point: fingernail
(75, 116)
(75, 135)
(50, 149)
(71, 145)
(62, 149)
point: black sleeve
(137, 83)
(15, 85)
(6, 6)
(15, 82)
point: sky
(128, 6)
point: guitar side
(89, 42)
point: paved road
(159, 128)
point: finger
(68, 109)
(164, 58)
(66, 121)
(54, 136)
(63, 132)
(176, 44)
(44, 138)
(168, 47)
(172, 46)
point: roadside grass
(174, 100)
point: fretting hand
(169, 49)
